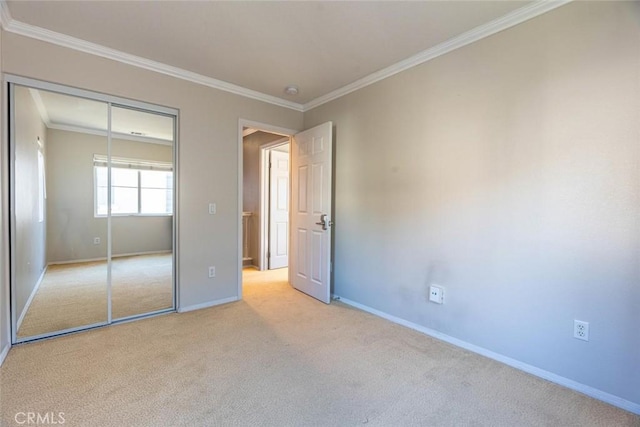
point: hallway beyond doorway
(254, 277)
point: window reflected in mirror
(93, 212)
(142, 212)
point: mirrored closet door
(92, 205)
(142, 212)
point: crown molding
(507, 21)
(516, 17)
(42, 110)
(102, 132)
(38, 33)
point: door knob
(324, 223)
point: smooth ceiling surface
(264, 46)
(70, 112)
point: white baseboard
(79, 261)
(207, 304)
(4, 352)
(549, 376)
(30, 300)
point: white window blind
(124, 163)
(138, 187)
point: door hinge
(268, 254)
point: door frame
(265, 199)
(278, 130)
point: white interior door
(278, 209)
(311, 196)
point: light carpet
(279, 358)
(74, 295)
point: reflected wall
(93, 206)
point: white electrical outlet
(212, 208)
(581, 330)
(436, 294)
(96, 240)
(212, 271)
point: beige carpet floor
(73, 295)
(279, 358)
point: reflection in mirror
(93, 206)
(59, 254)
(142, 211)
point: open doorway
(265, 206)
(291, 189)
(265, 200)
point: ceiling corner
(502, 23)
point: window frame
(100, 161)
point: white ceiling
(67, 112)
(264, 46)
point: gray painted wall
(507, 172)
(251, 185)
(30, 243)
(71, 222)
(208, 149)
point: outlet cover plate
(436, 294)
(581, 330)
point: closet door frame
(8, 200)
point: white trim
(116, 135)
(530, 369)
(74, 43)
(207, 304)
(507, 21)
(31, 297)
(79, 261)
(102, 160)
(88, 94)
(37, 99)
(263, 242)
(4, 353)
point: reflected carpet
(73, 295)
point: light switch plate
(212, 208)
